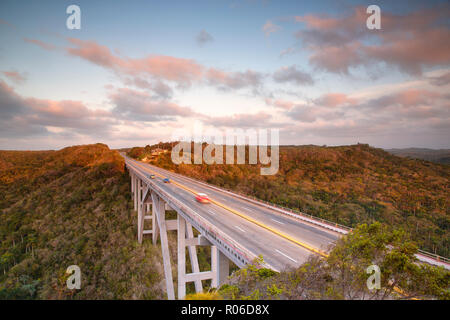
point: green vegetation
(342, 275)
(72, 206)
(347, 184)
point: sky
(136, 71)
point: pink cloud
(410, 98)
(21, 116)
(15, 76)
(410, 42)
(334, 100)
(440, 80)
(43, 45)
(165, 67)
(140, 106)
(282, 104)
(269, 28)
(233, 80)
(183, 72)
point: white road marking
(212, 212)
(285, 255)
(239, 228)
(277, 221)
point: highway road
(283, 241)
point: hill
(439, 156)
(71, 207)
(346, 184)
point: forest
(71, 207)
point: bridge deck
(277, 251)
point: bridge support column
(158, 205)
(220, 266)
(135, 193)
(139, 211)
(132, 182)
(155, 228)
(181, 251)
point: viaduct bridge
(236, 227)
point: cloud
(442, 80)
(312, 113)
(203, 38)
(15, 76)
(10, 103)
(291, 74)
(141, 106)
(241, 120)
(183, 72)
(409, 110)
(412, 117)
(234, 80)
(158, 87)
(22, 117)
(6, 23)
(43, 45)
(303, 113)
(334, 100)
(68, 114)
(282, 104)
(269, 28)
(408, 42)
(338, 59)
(287, 51)
(154, 71)
(178, 70)
(406, 98)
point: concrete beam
(197, 241)
(171, 225)
(136, 179)
(205, 275)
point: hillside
(71, 206)
(346, 184)
(439, 156)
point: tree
(343, 273)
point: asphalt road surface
(276, 250)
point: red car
(202, 198)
